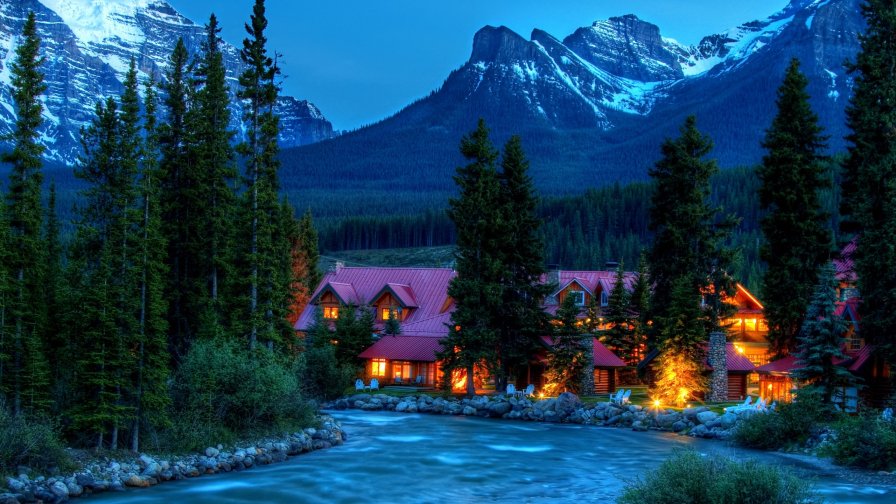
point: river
(409, 458)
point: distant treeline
(581, 232)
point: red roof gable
(784, 365)
(787, 364)
(403, 347)
(590, 280)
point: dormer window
(578, 297)
(390, 313)
(604, 299)
(331, 312)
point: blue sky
(362, 60)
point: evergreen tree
(392, 326)
(620, 336)
(305, 256)
(24, 213)
(688, 246)
(567, 362)
(477, 289)
(353, 334)
(640, 304)
(179, 200)
(258, 88)
(682, 351)
(53, 290)
(520, 319)
(869, 177)
(797, 238)
(821, 340)
(211, 141)
(151, 397)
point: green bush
(790, 424)
(865, 441)
(693, 478)
(321, 375)
(223, 390)
(29, 441)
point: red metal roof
(591, 279)
(425, 290)
(403, 347)
(603, 357)
(861, 357)
(783, 365)
(787, 364)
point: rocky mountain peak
(498, 44)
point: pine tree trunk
(471, 387)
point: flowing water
(397, 458)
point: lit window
(331, 312)
(750, 324)
(389, 313)
(763, 325)
(604, 299)
(853, 341)
(578, 296)
(378, 367)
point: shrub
(865, 441)
(690, 477)
(320, 374)
(223, 390)
(790, 424)
(29, 441)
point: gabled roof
(423, 289)
(603, 357)
(591, 280)
(344, 292)
(849, 310)
(403, 347)
(403, 292)
(785, 365)
(746, 301)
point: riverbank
(102, 474)
(698, 422)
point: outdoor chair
(359, 384)
(419, 380)
(374, 384)
(530, 390)
(625, 396)
(398, 381)
(511, 389)
(616, 399)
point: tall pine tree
(477, 289)
(869, 176)
(258, 88)
(795, 227)
(620, 337)
(520, 319)
(24, 213)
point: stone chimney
(718, 386)
(338, 265)
(588, 376)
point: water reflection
(398, 458)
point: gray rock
(59, 490)
(469, 410)
(638, 426)
(401, 407)
(699, 431)
(728, 420)
(15, 485)
(499, 409)
(211, 452)
(705, 417)
(679, 426)
(74, 490)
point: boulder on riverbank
(567, 408)
(100, 475)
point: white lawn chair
(740, 407)
(511, 389)
(359, 384)
(625, 396)
(374, 384)
(530, 390)
(887, 414)
(616, 399)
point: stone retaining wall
(567, 408)
(146, 471)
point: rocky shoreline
(567, 408)
(101, 475)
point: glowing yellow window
(331, 312)
(750, 324)
(378, 367)
(389, 313)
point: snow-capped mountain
(88, 45)
(594, 107)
